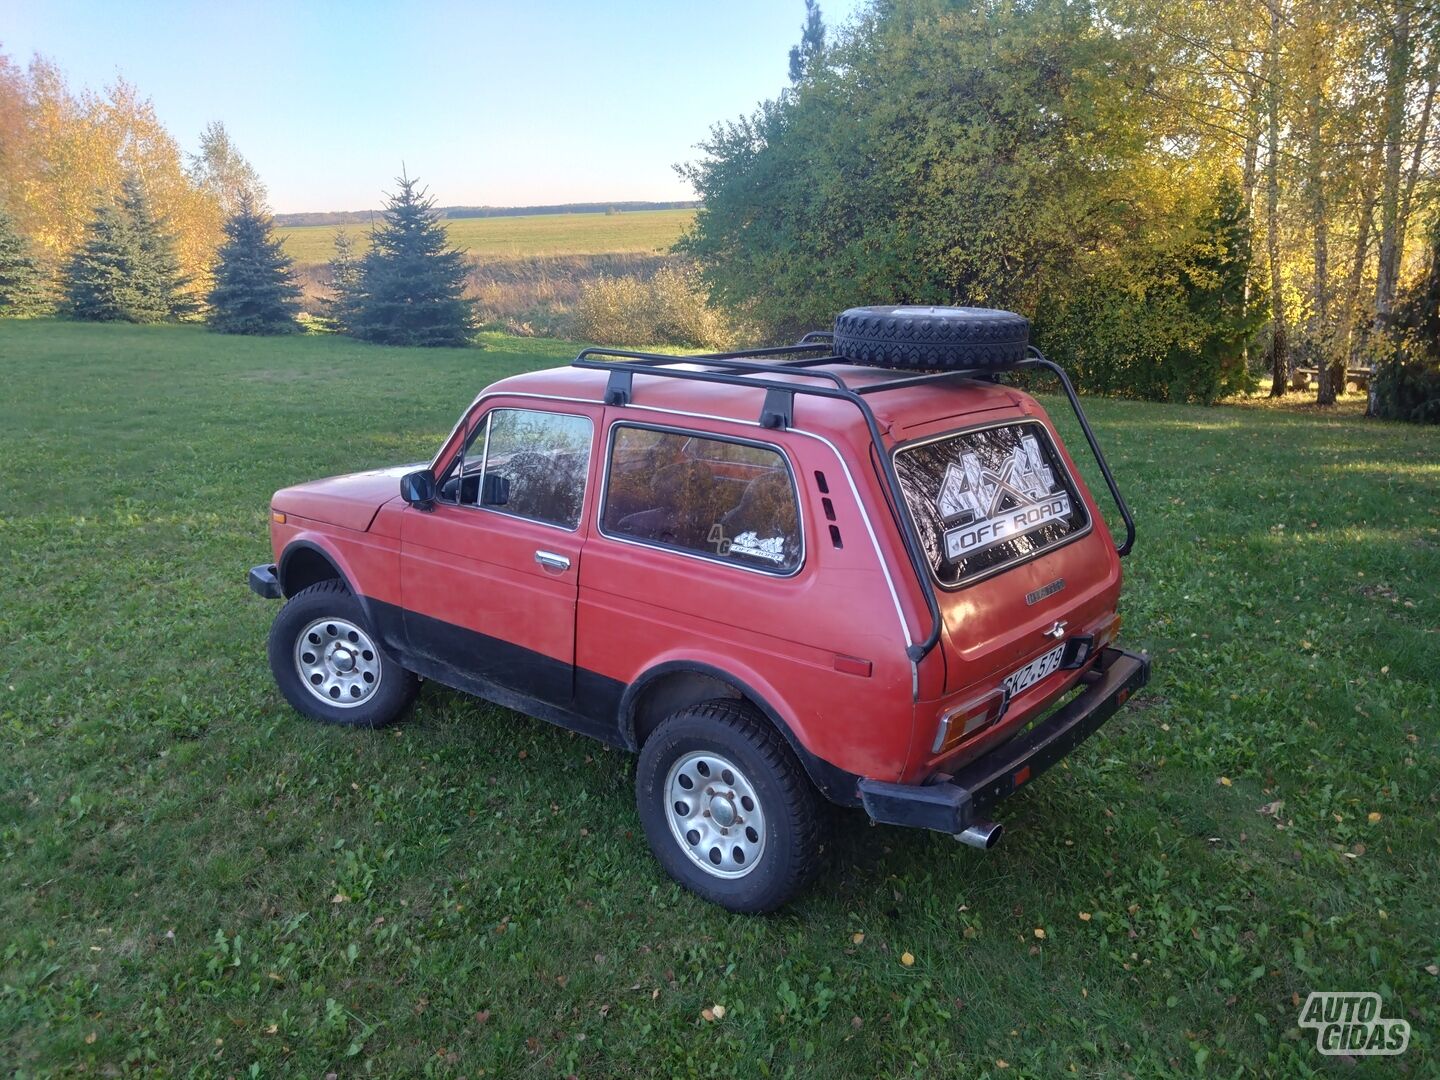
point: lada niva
(861, 569)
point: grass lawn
(194, 879)
(646, 231)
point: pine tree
(411, 283)
(343, 279)
(812, 42)
(22, 285)
(255, 290)
(159, 284)
(98, 279)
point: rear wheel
(727, 808)
(329, 665)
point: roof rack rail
(757, 368)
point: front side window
(527, 463)
(987, 499)
(730, 501)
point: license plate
(1019, 681)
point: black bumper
(263, 582)
(968, 797)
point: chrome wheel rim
(337, 663)
(715, 814)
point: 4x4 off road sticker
(999, 504)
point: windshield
(986, 499)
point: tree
(63, 152)
(221, 170)
(254, 290)
(125, 270)
(812, 42)
(342, 279)
(22, 284)
(98, 284)
(411, 283)
(156, 274)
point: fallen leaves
(908, 959)
(1374, 816)
(1225, 781)
(1085, 916)
(1040, 933)
(857, 938)
(713, 1013)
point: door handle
(551, 561)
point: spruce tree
(98, 279)
(411, 283)
(255, 290)
(158, 282)
(22, 285)
(343, 279)
(126, 270)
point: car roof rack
(757, 368)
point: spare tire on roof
(931, 337)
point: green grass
(647, 231)
(194, 879)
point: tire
(757, 778)
(931, 338)
(373, 691)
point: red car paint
(457, 592)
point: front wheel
(727, 808)
(328, 664)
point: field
(195, 880)
(642, 231)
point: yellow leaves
(1374, 816)
(1001, 1063)
(908, 959)
(713, 1013)
(1085, 916)
(857, 938)
(1040, 932)
(340, 898)
(1225, 781)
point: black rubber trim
(264, 582)
(969, 796)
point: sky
(499, 104)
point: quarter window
(527, 463)
(722, 499)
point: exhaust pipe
(983, 835)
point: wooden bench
(1302, 377)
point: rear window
(987, 499)
(725, 500)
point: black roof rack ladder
(747, 368)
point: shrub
(670, 308)
(1407, 387)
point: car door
(489, 574)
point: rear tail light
(961, 721)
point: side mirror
(494, 490)
(418, 489)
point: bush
(1407, 387)
(670, 308)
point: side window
(725, 500)
(527, 463)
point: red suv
(861, 568)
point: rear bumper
(263, 582)
(968, 797)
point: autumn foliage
(63, 153)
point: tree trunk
(1397, 73)
(1279, 345)
(1325, 393)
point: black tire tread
(408, 682)
(804, 803)
(937, 338)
